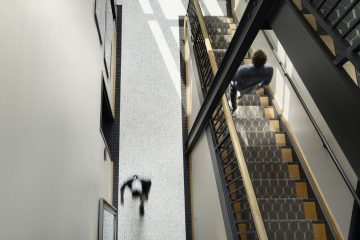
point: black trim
(241, 42)
(228, 8)
(116, 136)
(187, 187)
(113, 8)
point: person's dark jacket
(248, 77)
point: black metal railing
(242, 225)
(201, 54)
(235, 195)
(340, 19)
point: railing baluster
(226, 147)
(231, 151)
(233, 181)
(222, 141)
(238, 189)
(222, 131)
(232, 171)
(219, 121)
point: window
(107, 221)
(106, 118)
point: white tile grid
(150, 122)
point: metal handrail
(316, 126)
(249, 189)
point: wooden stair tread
(329, 43)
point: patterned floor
(150, 122)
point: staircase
(287, 203)
(342, 18)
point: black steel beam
(354, 233)
(254, 17)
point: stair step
(329, 43)
(219, 55)
(250, 112)
(220, 38)
(220, 44)
(285, 209)
(312, 20)
(219, 52)
(280, 188)
(261, 138)
(298, 4)
(263, 154)
(260, 91)
(269, 170)
(252, 124)
(285, 230)
(219, 30)
(233, 26)
(270, 113)
(350, 69)
(217, 25)
(253, 100)
(256, 125)
(257, 138)
(222, 19)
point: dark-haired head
(259, 58)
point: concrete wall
(333, 188)
(206, 210)
(52, 171)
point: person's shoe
(142, 212)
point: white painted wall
(208, 220)
(207, 216)
(327, 176)
(52, 171)
(238, 8)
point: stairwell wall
(52, 169)
(238, 7)
(327, 177)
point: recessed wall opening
(106, 118)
